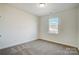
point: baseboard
(9, 46)
(59, 43)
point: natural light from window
(53, 25)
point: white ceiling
(50, 8)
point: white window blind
(53, 25)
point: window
(53, 25)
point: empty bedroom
(39, 29)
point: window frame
(57, 25)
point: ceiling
(50, 8)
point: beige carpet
(39, 47)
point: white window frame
(54, 23)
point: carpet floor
(39, 47)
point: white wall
(78, 27)
(16, 26)
(67, 29)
